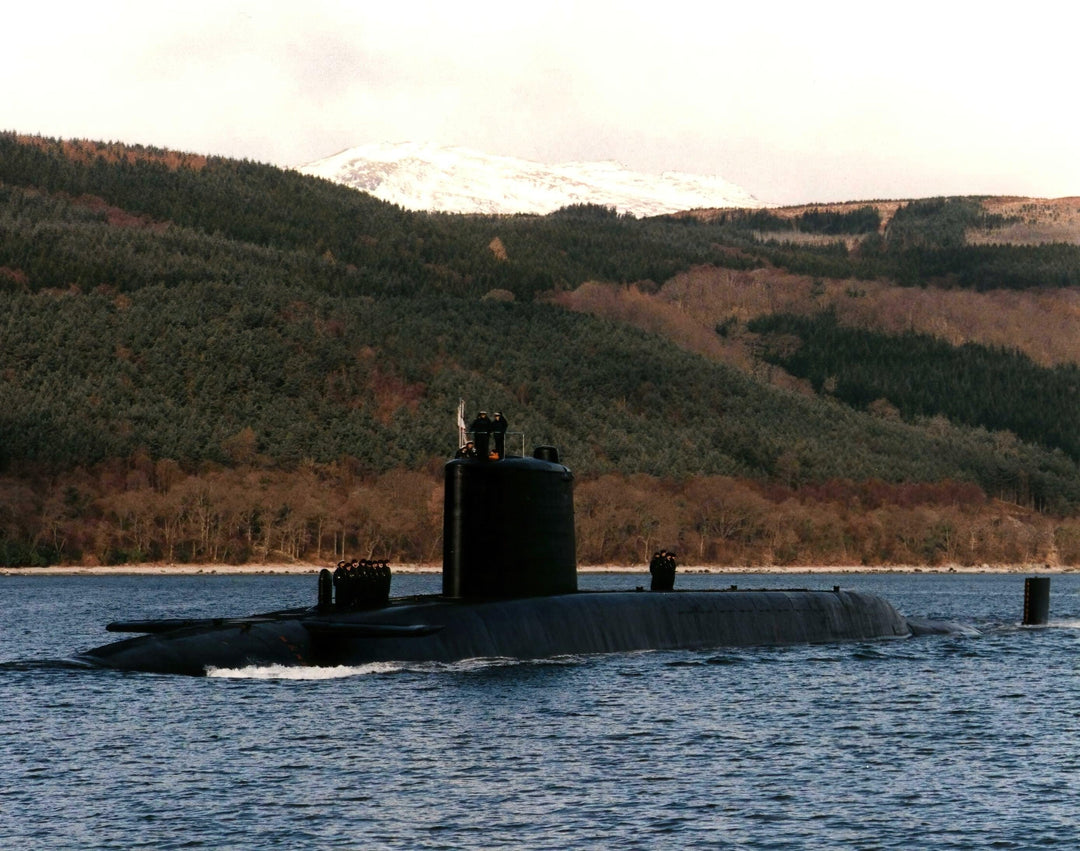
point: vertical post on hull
(326, 590)
(1036, 600)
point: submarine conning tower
(508, 527)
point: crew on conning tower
(488, 436)
(481, 431)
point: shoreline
(643, 570)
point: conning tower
(508, 527)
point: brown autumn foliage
(144, 511)
(689, 308)
(141, 510)
(116, 216)
(86, 151)
(16, 276)
(392, 393)
(1041, 220)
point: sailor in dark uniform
(481, 429)
(352, 583)
(498, 433)
(669, 571)
(384, 581)
(662, 568)
(340, 580)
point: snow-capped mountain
(458, 180)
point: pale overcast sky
(794, 102)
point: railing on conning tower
(510, 438)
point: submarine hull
(509, 591)
(438, 629)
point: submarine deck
(440, 629)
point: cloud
(793, 101)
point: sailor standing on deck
(655, 569)
(662, 568)
(498, 433)
(340, 580)
(481, 429)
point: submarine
(509, 590)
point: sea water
(960, 741)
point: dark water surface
(937, 742)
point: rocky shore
(307, 568)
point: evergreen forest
(218, 361)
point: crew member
(669, 571)
(662, 568)
(384, 581)
(481, 429)
(466, 451)
(340, 580)
(498, 433)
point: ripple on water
(940, 741)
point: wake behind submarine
(509, 589)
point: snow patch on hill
(458, 180)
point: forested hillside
(212, 360)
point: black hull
(438, 629)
